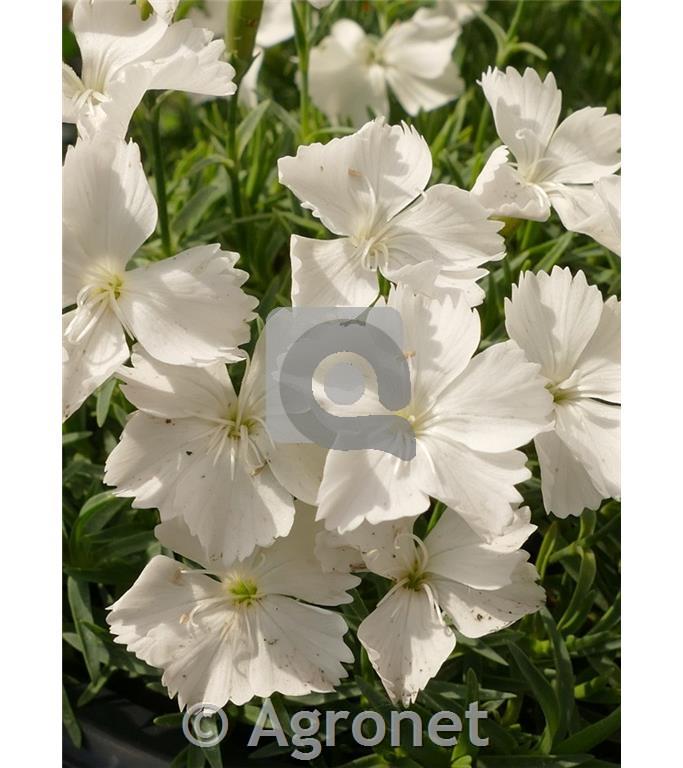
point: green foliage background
(551, 681)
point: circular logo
(198, 733)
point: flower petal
(176, 536)
(497, 403)
(276, 24)
(387, 549)
(110, 118)
(447, 226)
(111, 35)
(417, 57)
(148, 618)
(167, 463)
(211, 666)
(299, 648)
(165, 8)
(592, 432)
(407, 642)
(336, 555)
(108, 210)
(599, 365)
(92, 360)
(609, 191)
(476, 613)
(298, 467)
(187, 59)
(591, 210)
(150, 455)
(584, 148)
(525, 110)
(553, 317)
(503, 192)
(291, 568)
(382, 487)
(176, 391)
(416, 94)
(440, 337)
(72, 89)
(341, 83)
(189, 309)
(328, 273)
(359, 182)
(480, 486)
(458, 554)
(212, 14)
(566, 485)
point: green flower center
(243, 591)
(414, 579)
(559, 393)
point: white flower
(563, 324)
(124, 56)
(237, 629)
(554, 165)
(370, 189)
(164, 8)
(460, 11)
(351, 71)
(468, 416)
(276, 24)
(594, 211)
(197, 451)
(188, 310)
(452, 576)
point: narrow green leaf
(547, 547)
(564, 681)
(592, 735)
(70, 723)
(534, 50)
(69, 438)
(534, 761)
(581, 601)
(543, 693)
(91, 690)
(195, 757)
(173, 720)
(245, 130)
(79, 601)
(103, 401)
(195, 208)
(97, 511)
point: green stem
(302, 16)
(234, 169)
(478, 142)
(381, 10)
(242, 24)
(160, 180)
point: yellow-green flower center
(415, 578)
(560, 394)
(243, 591)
